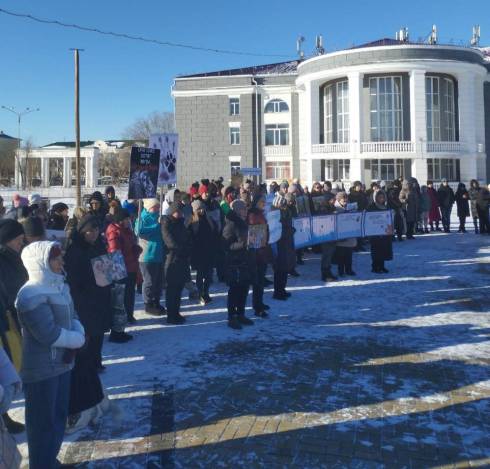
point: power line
(136, 38)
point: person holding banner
(345, 247)
(239, 267)
(381, 246)
(256, 216)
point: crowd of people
(54, 313)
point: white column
(355, 112)
(94, 169)
(418, 118)
(66, 172)
(44, 172)
(314, 128)
(356, 169)
(419, 170)
(466, 109)
(17, 176)
(88, 172)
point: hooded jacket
(150, 237)
(47, 315)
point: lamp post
(19, 115)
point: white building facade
(377, 112)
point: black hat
(59, 207)
(34, 227)
(175, 207)
(110, 189)
(120, 215)
(97, 196)
(9, 230)
(87, 222)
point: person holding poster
(381, 246)
(328, 248)
(344, 248)
(256, 217)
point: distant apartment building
(379, 111)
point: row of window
(273, 106)
(386, 110)
(275, 134)
(380, 170)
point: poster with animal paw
(168, 144)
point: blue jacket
(150, 237)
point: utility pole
(19, 115)
(77, 129)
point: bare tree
(156, 122)
(7, 165)
(115, 164)
(24, 162)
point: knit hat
(109, 189)
(9, 230)
(238, 205)
(284, 186)
(120, 214)
(97, 196)
(86, 223)
(150, 203)
(33, 227)
(19, 201)
(35, 199)
(59, 207)
(198, 205)
(203, 189)
(174, 207)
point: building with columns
(379, 111)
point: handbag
(10, 457)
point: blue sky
(122, 80)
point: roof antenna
(475, 39)
(402, 35)
(433, 35)
(320, 50)
(299, 49)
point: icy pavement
(373, 371)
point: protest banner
(143, 173)
(55, 235)
(257, 236)
(109, 268)
(302, 236)
(320, 203)
(378, 223)
(275, 226)
(303, 206)
(168, 144)
(349, 225)
(323, 229)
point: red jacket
(123, 239)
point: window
(337, 170)
(386, 110)
(235, 168)
(440, 109)
(235, 135)
(277, 134)
(276, 105)
(234, 106)
(278, 170)
(336, 107)
(83, 171)
(441, 168)
(385, 170)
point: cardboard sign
(168, 144)
(275, 226)
(143, 173)
(109, 268)
(349, 225)
(378, 223)
(323, 229)
(257, 236)
(302, 236)
(303, 206)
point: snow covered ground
(370, 371)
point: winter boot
(153, 310)
(279, 296)
(175, 319)
(261, 313)
(294, 273)
(234, 323)
(120, 337)
(244, 321)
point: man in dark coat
(462, 202)
(239, 265)
(410, 204)
(381, 246)
(177, 240)
(445, 195)
(474, 193)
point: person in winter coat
(410, 205)
(381, 246)
(120, 237)
(482, 205)
(177, 241)
(445, 195)
(425, 206)
(13, 275)
(473, 193)
(92, 302)
(51, 332)
(150, 240)
(34, 229)
(262, 256)
(345, 247)
(173, 195)
(462, 202)
(393, 195)
(58, 217)
(98, 208)
(284, 256)
(358, 196)
(204, 231)
(239, 266)
(434, 213)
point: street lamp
(19, 115)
